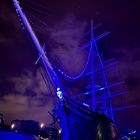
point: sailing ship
(78, 118)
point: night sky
(62, 24)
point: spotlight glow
(58, 89)
(13, 126)
(59, 131)
(59, 93)
(42, 125)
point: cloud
(16, 107)
(33, 86)
(29, 98)
(64, 42)
(28, 80)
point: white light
(59, 94)
(12, 126)
(101, 88)
(87, 93)
(58, 89)
(85, 104)
(60, 131)
(42, 125)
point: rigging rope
(82, 72)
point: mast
(36, 42)
(48, 68)
(92, 65)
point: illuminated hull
(84, 123)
